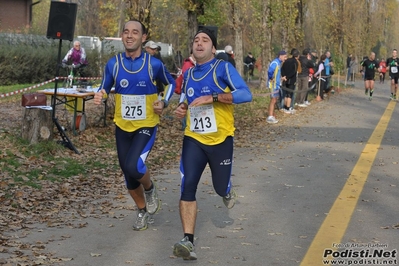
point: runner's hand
(158, 106)
(181, 111)
(98, 96)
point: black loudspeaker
(61, 21)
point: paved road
(287, 187)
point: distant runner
(369, 65)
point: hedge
(30, 65)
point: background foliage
(24, 63)
(259, 26)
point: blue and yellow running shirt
(210, 124)
(135, 89)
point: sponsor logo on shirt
(141, 84)
(190, 92)
(205, 90)
(124, 83)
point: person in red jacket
(188, 63)
(383, 70)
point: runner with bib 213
(210, 90)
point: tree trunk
(121, 22)
(237, 35)
(238, 53)
(299, 24)
(37, 125)
(192, 25)
(265, 44)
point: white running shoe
(287, 111)
(271, 120)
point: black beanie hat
(209, 33)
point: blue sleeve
(108, 76)
(270, 71)
(183, 97)
(238, 87)
(162, 74)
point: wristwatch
(215, 97)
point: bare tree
(266, 29)
(237, 15)
(140, 10)
(252, 25)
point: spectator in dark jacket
(348, 62)
(303, 78)
(227, 55)
(222, 56)
(229, 51)
(153, 49)
(249, 61)
(289, 70)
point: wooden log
(37, 125)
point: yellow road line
(334, 226)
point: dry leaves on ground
(94, 192)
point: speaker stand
(66, 142)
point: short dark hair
(143, 28)
(294, 52)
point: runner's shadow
(222, 221)
(222, 218)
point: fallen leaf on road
(275, 234)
